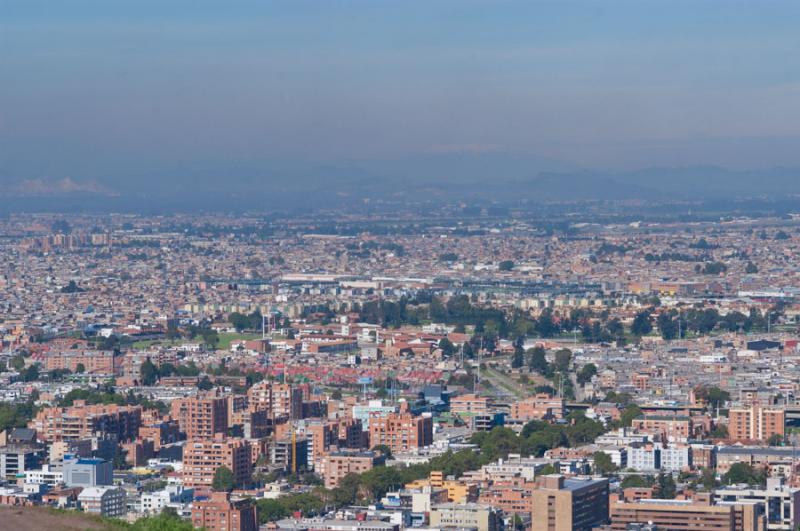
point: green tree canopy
(223, 479)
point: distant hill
(447, 177)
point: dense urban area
(472, 369)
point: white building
(652, 458)
(646, 458)
(676, 458)
(105, 501)
(44, 476)
(155, 502)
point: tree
(743, 473)
(80, 368)
(751, 268)
(636, 481)
(631, 412)
(667, 326)
(447, 347)
(603, 464)
(120, 461)
(239, 321)
(506, 265)
(714, 268)
(518, 360)
(71, 287)
(642, 323)
(223, 479)
(205, 384)
(16, 415)
(665, 485)
(382, 448)
(562, 359)
(586, 373)
(336, 394)
(270, 510)
(775, 440)
(719, 432)
(537, 360)
(708, 478)
(148, 372)
(547, 470)
(711, 395)
(30, 373)
(18, 363)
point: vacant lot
(37, 519)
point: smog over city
(430, 265)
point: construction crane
(294, 450)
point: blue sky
(96, 89)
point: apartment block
(756, 423)
(672, 428)
(540, 406)
(279, 400)
(219, 513)
(202, 458)
(401, 432)
(89, 361)
(201, 417)
(81, 421)
(337, 465)
(469, 405)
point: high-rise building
(279, 400)
(202, 458)
(201, 417)
(756, 423)
(561, 504)
(401, 432)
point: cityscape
(377, 266)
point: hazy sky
(99, 88)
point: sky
(111, 90)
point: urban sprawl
(348, 373)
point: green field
(225, 340)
